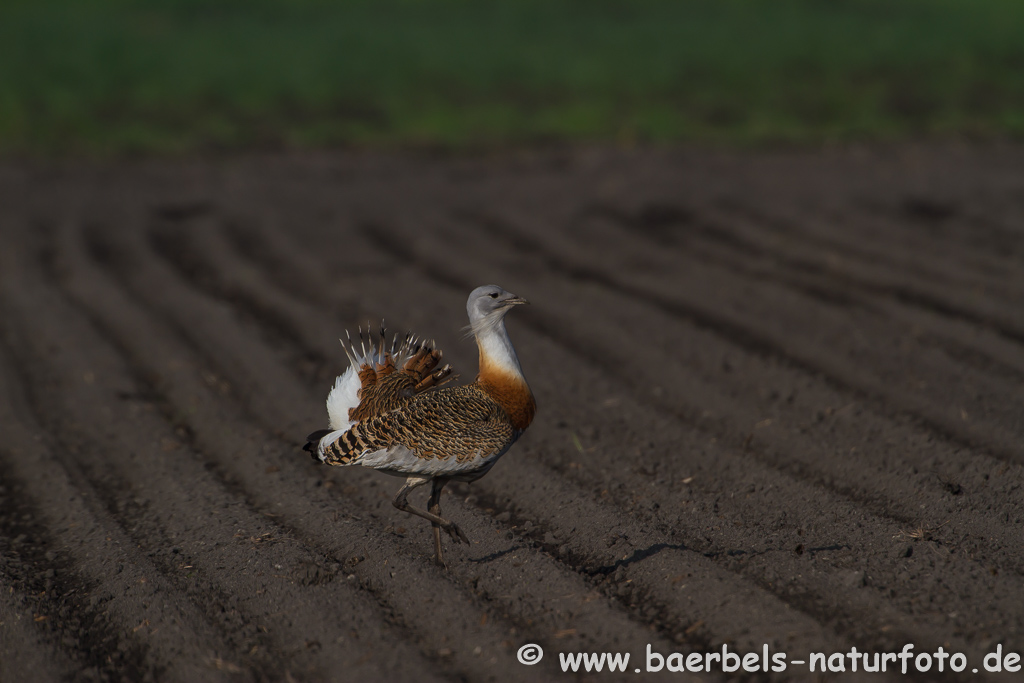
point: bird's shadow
(496, 555)
(638, 555)
(642, 554)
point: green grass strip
(102, 77)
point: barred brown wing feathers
(459, 423)
(385, 388)
(382, 392)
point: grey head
(487, 306)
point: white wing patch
(343, 397)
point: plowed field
(780, 402)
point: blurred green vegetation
(173, 76)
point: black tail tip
(313, 442)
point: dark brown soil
(780, 403)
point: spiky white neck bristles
(480, 322)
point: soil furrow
(103, 600)
(980, 349)
(755, 249)
(41, 598)
(911, 270)
(286, 322)
(192, 532)
(986, 304)
(23, 647)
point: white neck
(493, 342)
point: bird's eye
(493, 295)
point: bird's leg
(401, 502)
(434, 507)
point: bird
(391, 411)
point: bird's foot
(456, 533)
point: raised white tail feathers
(343, 397)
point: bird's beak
(515, 301)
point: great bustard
(387, 412)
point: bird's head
(487, 306)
